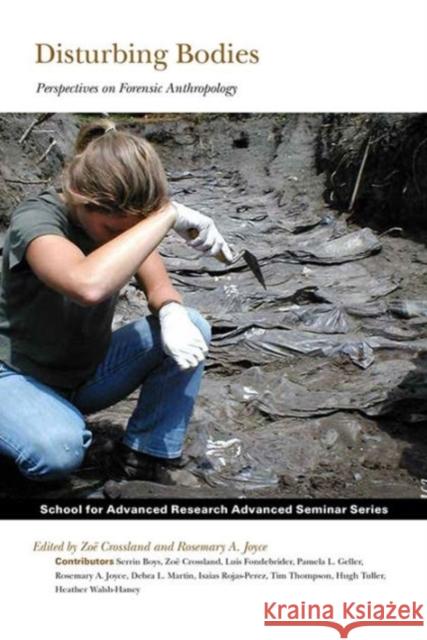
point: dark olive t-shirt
(43, 333)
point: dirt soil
(315, 387)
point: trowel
(248, 257)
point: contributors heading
(183, 53)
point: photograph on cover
(293, 243)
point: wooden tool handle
(193, 233)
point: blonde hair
(114, 172)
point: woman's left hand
(181, 339)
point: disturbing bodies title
(184, 53)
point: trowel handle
(193, 233)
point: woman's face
(103, 227)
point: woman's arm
(181, 338)
(88, 280)
(155, 282)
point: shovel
(248, 257)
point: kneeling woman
(67, 254)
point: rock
(330, 438)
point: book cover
(291, 140)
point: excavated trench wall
(393, 181)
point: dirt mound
(31, 158)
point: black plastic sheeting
(324, 295)
(329, 336)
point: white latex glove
(181, 339)
(209, 240)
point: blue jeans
(44, 431)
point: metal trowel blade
(253, 264)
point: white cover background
(352, 55)
(205, 610)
